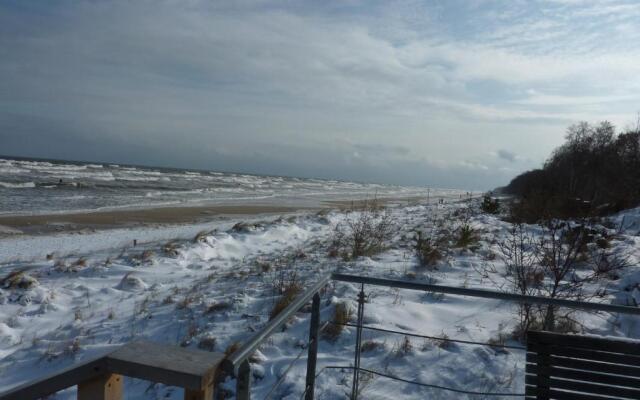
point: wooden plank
(588, 365)
(104, 387)
(588, 354)
(588, 376)
(542, 378)
(171, 365)
(530, 393)
(608, 344)
(584, 387)
(57, 381)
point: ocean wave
(17, 185)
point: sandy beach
(81, 221)
(42, 224)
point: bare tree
(520, 254)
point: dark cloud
(507, 155)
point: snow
(98, 291)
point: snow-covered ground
(96, 291)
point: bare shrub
(207, 343)
(466, 236)
(170, 249)
(218, 307)
(18, 280)
(520, 254)
(403, 347)
(560, 248)
(201, 237)
(289, 292)
(341, 315)
(147, 255)
(490, 205)
(371, 345)
(444, 342)
(429, 251)
(364, 231)
(232, 348)
(606, 263)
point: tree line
(595, 172)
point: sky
(458, 94)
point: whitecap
(18, 185)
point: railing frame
(107, 369)
(232, 363)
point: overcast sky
(445, 93)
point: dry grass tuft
(371, 345)
(170, 249)
(232, 348)
(218, 307)
(18, 280)
(289, 293)
(341, 315)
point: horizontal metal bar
(427, 385)
(487, 294)
(373, 328)
(234, 360)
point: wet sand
(40, 224)
(91, 221)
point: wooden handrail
(100, 378)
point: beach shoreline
(42, 224)
(99, 220)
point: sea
(37, 186)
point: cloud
(338, 89)
(507, 155)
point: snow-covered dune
(96, 291)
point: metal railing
(237, 364)
(196, 370)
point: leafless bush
(429, 251)
(520, 254)
(560, 248)
(363, 233)
(606, 263)
(371, 345)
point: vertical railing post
(313, 347)
(356, 362)
(243, 381)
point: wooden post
(544, 363)
(104, 387)
(313, 347)
(243, 381)
(204, 394)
